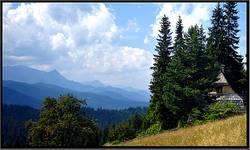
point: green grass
(227, 132)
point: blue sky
(110, 42)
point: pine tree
(179, 41)
(233, 66)
(216, 40)
(176, 71)
(189, 76)
(223, 44)
(157, 112)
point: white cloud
(75, 39)
(57, 41)
(146, 40)
(20, 58)
(191, 14)
(44, 67)
(133, 25)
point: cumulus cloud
(78, 40)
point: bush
(154, 129)
(182, 123)
(219, 110)
(121, 133)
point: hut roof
(230, 97)
(222, 80)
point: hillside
(228, 132)
(15, 116)
(26, 93)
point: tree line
(14, 117)
(184, 71)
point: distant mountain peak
(57, 74)
(94, 83)
(54, 72)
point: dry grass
(228, 132)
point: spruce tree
(179, 41)
(176, 71)
(223, 44)
(157, 111)
(233, 66)
(189, 76)
(217, 33)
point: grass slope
(228, 132)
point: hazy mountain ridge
(11, 96)
(41, 90)
(29, 75)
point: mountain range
(26, 86)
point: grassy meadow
(227, 132)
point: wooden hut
(223, 91)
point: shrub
(219, 110)
(121, 132)
(153, 129)
(182, 123)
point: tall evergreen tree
(156, 111)
(173, 78)
(223, 44)
(179, 41)
(233, 66)
(217, 33)
(189, 76)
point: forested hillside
(14, 118)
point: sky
(110, 42)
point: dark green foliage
(221, 110)
(154, 129)
(14, 132)
(189, 78)
(126, 130)
(121, 132)
(233, 66)
(179, 40)
(105, 117)
(136, 122)
(62, 125)
(217, 33)
(14, 118)
(164, 48)
(214, 111)
(223, 44)
(197, 116)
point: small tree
(62, 125)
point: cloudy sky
(110, 42)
